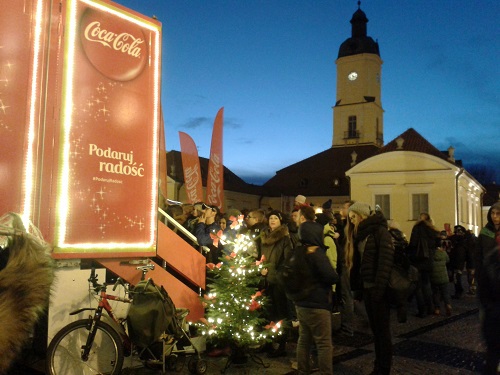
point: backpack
(402, 283)
(151, 314)
(403, 279)
(295, 275)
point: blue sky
(271, 65)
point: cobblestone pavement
(431, 345)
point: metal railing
(170, 220)
(351, 134)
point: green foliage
(234, 305)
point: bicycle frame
(103, 304)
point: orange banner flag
(163, 160)
(215, 179)
(191, 169)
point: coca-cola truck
(80, 124)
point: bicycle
(90, 346)
(91, 343)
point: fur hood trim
(270, 238)
(25, 284)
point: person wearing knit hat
(282, 218)
(369, 256)
(299, 201)
(327, 205)
(362, 209)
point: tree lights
(234, 304)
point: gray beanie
(360, 208)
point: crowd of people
(351, 254)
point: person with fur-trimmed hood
(276, 246)
(370, 259)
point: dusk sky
(271, 65)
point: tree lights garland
(233, 302)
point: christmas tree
(234, 305)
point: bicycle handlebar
(119, 281)
(93, 280)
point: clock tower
(358, 113)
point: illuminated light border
(29, 162)
(63, 205)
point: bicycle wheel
(64, 352)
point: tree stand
(239, 356)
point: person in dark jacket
(314, 311)
(461, 245)
(370, 258)
(488, 280)
(440, 281)
(400, 244)
(423, 242)
(276, 246)
(293, 227)
(206, 226)
(255, 222)
(346, 305)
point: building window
(420, 203)
(384, 202)
(352, 133)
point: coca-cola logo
(214, 191)
(192, 179)
(115, 47)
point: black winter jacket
(423, 232)
(375, 254)
(487, 258)
(323, 276)
(488, 279)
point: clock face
(352, 76)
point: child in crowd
(440, 281)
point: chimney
(399, 143)
(451, 154)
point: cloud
(231, 122)
(196, 122)
(207, 122)
(246, 141)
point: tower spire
(358, 113)
(359, 42)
